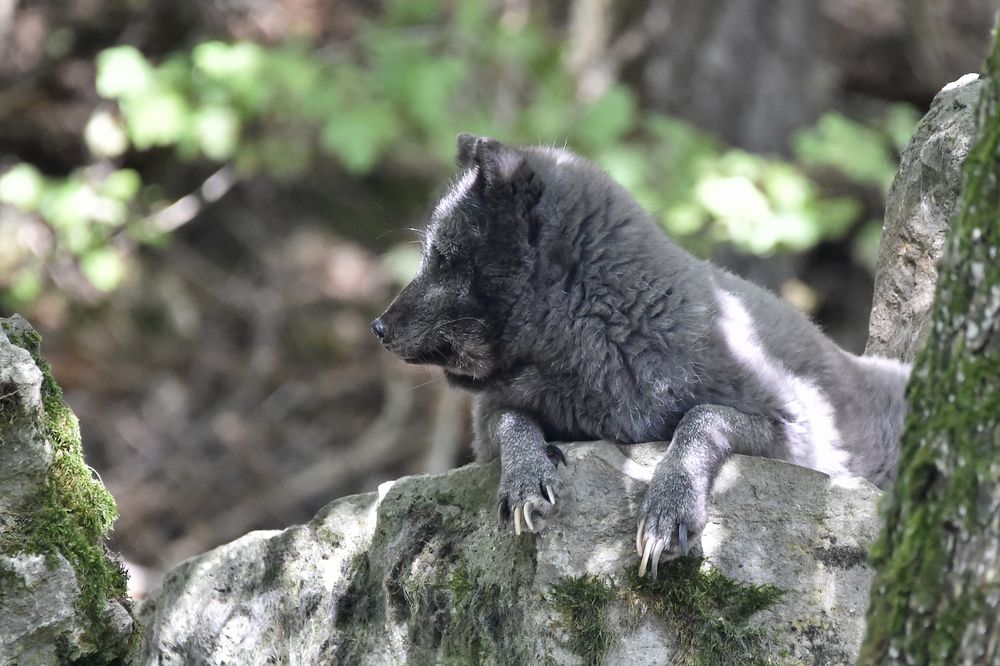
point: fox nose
(378, 328)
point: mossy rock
(54, 511)
(423, 572)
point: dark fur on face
(477, 260)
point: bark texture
(751, 72)
(936, 596)
(755, 71)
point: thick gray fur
(548, 291)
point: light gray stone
(36, 608)
(423, 573)
(44, 614)
(918, 212)
(269, 595)
(25, 454)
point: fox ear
(497, 163)
(466, 149)
(506, 182)
(502, 170)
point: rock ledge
(421, 572)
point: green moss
(438, 569)
(709, 611)
(329, 536)
(9, 407)
(946, 493)
(10, 580)
(70, 514)
(24, 337)
(460, 583)
(583, 603)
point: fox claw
(549, 495)
(528, 490)
(555, 454)
(651, 548)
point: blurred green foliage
(399, 92)
(865, 153)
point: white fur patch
(456, 193)
(885, 364)
(813, 436)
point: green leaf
(104, 268)
(159, 118)
(403, 12)
(69, 207)
(606, 120)
(22, 186)
(226, 62)
(900, 123)
(792, 230)
(432, 85)
(217, 129)
(123, 72)
(105, 135)
(26, 286)
(358, 136)
(684, 218)
(733, 197)
(835, 216)
(470, 17)
(742, 164)
(787, 188)
(857, 151)
(122, 185)
(680, 138)
(236, 75)
(627, 165)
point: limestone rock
(917, 215)
(36, 608)
(61, 597)
(421, 572)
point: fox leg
(529, 484)
(675, 509)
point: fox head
(476, 265)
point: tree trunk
(751, 72)
(936, 594)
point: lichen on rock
(64, 595)
(423, 572)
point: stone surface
(25, 453)
(56, 599)
(36, 608)
(421, 571)
(918, 211)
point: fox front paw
(672, 515)
(529, 489)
